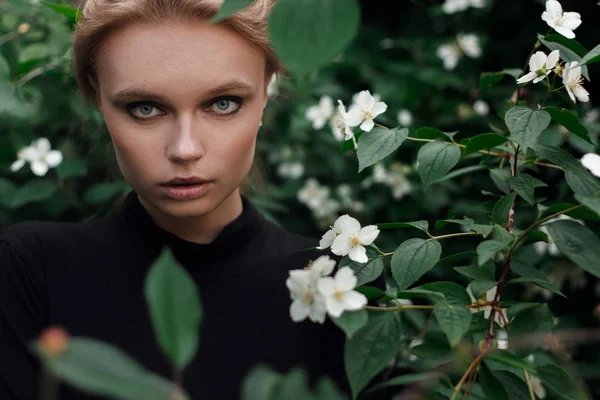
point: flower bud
(54, 341)
(23, 28)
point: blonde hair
(100, 18)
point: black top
(89, 279)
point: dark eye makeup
(218, 106)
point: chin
(186, 208)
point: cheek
(132, 153)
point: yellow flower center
(355, 241)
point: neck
(202, 229)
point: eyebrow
(128, 93)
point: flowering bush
(480, 233)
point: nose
(185, 143)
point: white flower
(481, 107)
(320, 113)
(273, 87)
(454, 6)
(487, 310)
(540, 66)
(307, 301)
(327, 209)
(336, 123)
(562, 22)
(573, 82)
(329, 236)
(450, 54)
(405, 117)
(502, 338)
(380, 174)
(397, 181)
(469, 44)
(348, 120)
(292, 170)
(312, 193)
(322, 266)
(339, 292)
(350, 238)
(592, 116)
(537, 387)
(369, 109)
(591, 161)
(39, 156)
(356, 96)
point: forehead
(177, 57)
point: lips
(185, 181)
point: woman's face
(182, 100)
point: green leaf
(488, 249)
(100, 193)
(230, 7)
(566, 54)
(489, 79)
(7, 190)
(524, 185)
(421, 225)
(351, 321)
(371, 292)
(374, 146)
(479, 287)
(175, 308)
(103, 369)
(582, 186)
(460, 172)
(507, 358)
(570, 121)
(485, 141)
(260, 383)
(72, 13)
(33, 191)
(536, 319)
(412, 259)
(452, 314)
(559, 382)
(371, 349)
(514, 386)
(365, 272)
(468, 223)
(35, 51)
(502, 208)
(525, 125)
(530, 274)
(485, 272)
(407, 379)
(294, 386)
(435, 160)
(308, 34)
(514, 72)
(326, 390)
(501, 178)
(592, 57)
(428, 132)
(593, 203)
(571, 44)
(71, 168)
(565, 160)
(492, 387)
(578, 243)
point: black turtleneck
(89, 279)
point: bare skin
(200, 73)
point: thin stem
(39, 71)
(467, 373)
(399, 308)
(454, 235)
(531, 395)
(549, 165)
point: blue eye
(145, 110)
(223, 105)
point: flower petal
(581, 94)
(39, 168)
(353, 117)
(537, 61)
(368, 234)
(527, 78)
(571, 20)
(42, 145)
(378, 108)
(54, 158)
(299, 310)
(566, 32)
(552, 59)
(324, 265)
(17, 165)
(367, 125)
(345, 279)
(358, 254)
(353, 300)
(341, 246)
(326, 286)
(327, 239)
(349, 225)
(318, 309)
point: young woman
(182, 100)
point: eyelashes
(214, 107)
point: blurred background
(421, 58)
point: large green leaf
(374, 146)
(582, 186)
(485, 272)
(530, 274)
(485, 141)
(103, 369)
(371, 349)
(175, 308)
(502, 208)
(351, 321)
(309, 33)
(71, 13)
(578, 243)
(570, 121)
(406, 379)
(536, 319)
(566, 54)
(511, 359)
(412, 259)
(34, 191)
(421, 225)
(525, 125)
(488, 249)
(592, 57)
(593, 203)
(491, 385)
(365, 272)
(230, 7)
(436, 159)
(513, 385)
(560, 382)
(524, 185)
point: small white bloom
(562, 22)
(327, 210)
(540, 66)
(481, 107)
(591, 161)
(355, 97)
(502, 338)
(39, 156)
(469, 44)
(339, 292)
(380, 174)
(537, 387)
(337, 126)
(322, 266)
(487, 310)
(273, 87)
(352, 238)
(313, 194)
(320, 113)
(307, 301)
(293, 170)
(454, 6)
(591, 116)
(405, 117)
(397, 181)
(573, 82)
(348, 120)
(369, 108)
(450, 54)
